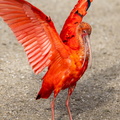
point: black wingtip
(89, 3)
(78, 13)
(38, 97)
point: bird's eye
(84, 31)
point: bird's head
(83, 33)
(84, 29)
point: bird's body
(66, 55)
(63, 73)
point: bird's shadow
(91, 93)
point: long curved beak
(88, 51)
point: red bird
(66, 55)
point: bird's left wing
(34, 30)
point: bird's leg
(68, 108)
(56, 91)
(53, 108)
(70, 90)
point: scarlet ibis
(66, 55)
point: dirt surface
(97, 95)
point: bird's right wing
(34, 30)
(75, 18)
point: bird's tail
(45, 91)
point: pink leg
(53, 103)
(68, 108)
(70, 90)
(53, 108)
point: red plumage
(66, 55)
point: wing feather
(34, 30)
(75, 18)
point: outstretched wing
(75, 18)
(34, 30)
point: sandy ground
(97, 95)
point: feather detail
(34, 30)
